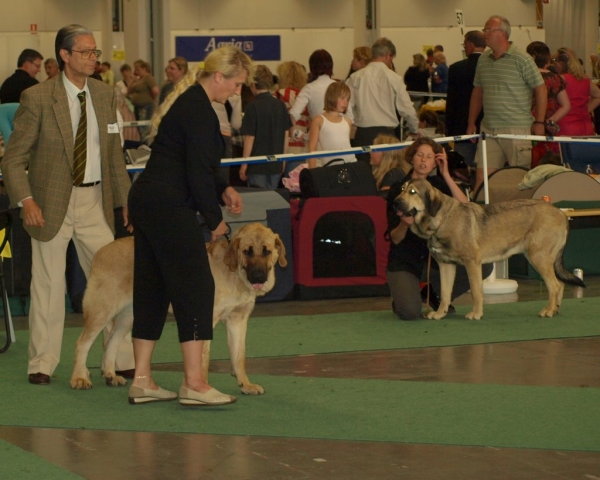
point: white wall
(304, 25)
(414, 24)
(296, 44)
(260, 14)
(441, 13)
(50, 16)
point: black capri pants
(170, 264)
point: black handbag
(339, 180)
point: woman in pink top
(584, 96)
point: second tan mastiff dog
(242, 269)
(470, 234)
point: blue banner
(257, 47)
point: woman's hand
(233, 200)
(399, 233)
(126, 223)
(243, 174)
(221, 230)
(441, 160)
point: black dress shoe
(126, 373)
(39, 378)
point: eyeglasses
(38, 65)
(490, 30)
(85, 54)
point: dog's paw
(548, 312)
(473, 316)
(114, 380)
(437, 315)
(252, 389)
(80, 383)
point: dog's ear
(231, 254)
(433, 202)
(281, 250)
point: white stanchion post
(493, 285)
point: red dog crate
(339, 247)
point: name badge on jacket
(113, 128)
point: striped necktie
(80, 152)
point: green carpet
(367, 410)
(361, 331)
(16, 463)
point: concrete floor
(139, 455)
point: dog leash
(228, 234)
(427, 305)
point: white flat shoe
(192, 398)
(139, 395)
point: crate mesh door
(344, 245)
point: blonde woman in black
(171, 263)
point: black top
(11, 89)
(165, 90)
(460, 86)
(416, 80)
(411, 253)
(266, 119)
(186, 151)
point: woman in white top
(331, 130)
(312, 94)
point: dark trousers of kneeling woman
(406, 290)
(170, 264)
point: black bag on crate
(339, 180)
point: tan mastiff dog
(242, 269)
(470, 234)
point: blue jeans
(264, 181)
(144, 113)
(467, 150)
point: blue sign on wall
(258, 47)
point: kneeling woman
(407, 261)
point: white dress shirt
(313, 96)
(93, 170)
(377, 94)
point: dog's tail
(565, 275)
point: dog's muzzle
(257, 277)
(400, 206)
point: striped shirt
(507, 84)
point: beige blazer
(38, 161)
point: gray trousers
(406, 292)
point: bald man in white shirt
(378, 97)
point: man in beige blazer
(58, 206)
